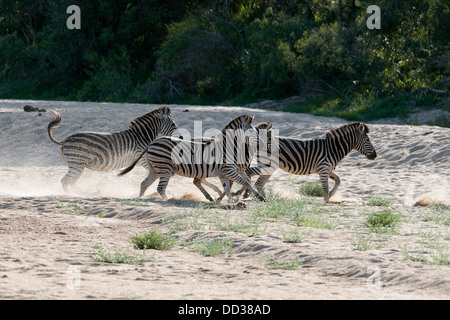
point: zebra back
(200, 160)
(152, 123)
(110, 151)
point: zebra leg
(212, 186)
(233, 175)
(239, 192)
(261, 182)
(71, 178)
(198, 184)
(337, 182)
(164, 178)
(324, 180)
(152, 176)
(226, 186)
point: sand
(49, 239)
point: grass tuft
(311, 189)
(380, 202)
(153, 240)
(101, 254)
(383, 222)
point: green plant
(101, 254)
(153, 240)
(276, 207)
(312, 189)
(275, 264)
(439, 214)
(434, 254)
(211, 247)
(380, 202)
(71, 208)
(294, 236)
(383, 222)
(313, 222)
(136, 203)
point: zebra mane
(349, 127)
(238, 122)
(154, 114)
(263, 125)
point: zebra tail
(131, 166)
(54, 123)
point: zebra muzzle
(372, 156)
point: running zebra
(110, 151)
(263, 157)
(227, 156)
(319, 156)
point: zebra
(263, 130)
(319, 155)
(110, 151)
(168, 156)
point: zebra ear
(361, 128)
(161, 115)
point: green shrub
(383, 222)
(153, 240)
(380, 202)
(312, 189)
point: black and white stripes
(319, 155)
(110, 151)
(226, 157)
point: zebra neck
(339, 147)
(144, 133)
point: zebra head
(243, 122)
(238, 126)
(168, 127)
(362, 143)
(238, 134)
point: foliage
(383, 222)
(153, 240)
(312, 189)
(228, 51)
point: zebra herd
(227, 156)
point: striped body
(217, 158)
(263, 156)
(110, 151)
(102, 151)
(319, 155)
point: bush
(153, 240)
(312, 189)
(384, 221)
